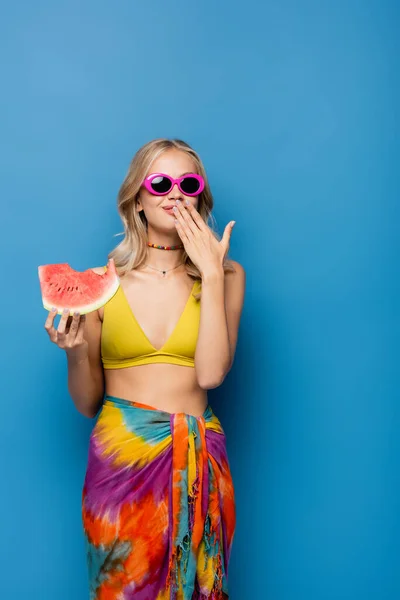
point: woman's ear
(138, 204)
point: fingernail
(174, 208)
(53, 309)
(233, 223)
(76, 313)
(66, 310)
(178, 201)
(187, 202)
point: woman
(158, 502)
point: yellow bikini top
(124, 343)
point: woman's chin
(166, 228)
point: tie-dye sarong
(157, 505)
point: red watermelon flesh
(63, 287)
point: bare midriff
(164, 386)
(172, 388)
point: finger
(73, 329)
(181, 222)
(227, 234)
(49, 324)
(196, 217)
(61, 333)
(68, 325)
(181, 231)
(187, 220)
(81, 330)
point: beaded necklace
(177, 247)
(160, 247)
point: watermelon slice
(63, 287)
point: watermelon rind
(102, 300)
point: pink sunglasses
(161, 184)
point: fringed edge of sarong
(179, 560)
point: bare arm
(222, 300)
(85, 371)
(80, 337)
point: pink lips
(169, 210)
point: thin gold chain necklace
(164, 271)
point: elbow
(87, 412)
(90, 409)
(93, 410)
(210, 381)
(90, 414)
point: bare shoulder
(235, 283)
(239, 269)
(236, 278)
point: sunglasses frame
(147, 183)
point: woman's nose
(175, 192)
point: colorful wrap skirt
(158, 505)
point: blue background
(293, 107)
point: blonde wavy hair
(132, 250)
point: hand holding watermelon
(65, 291)
(69, 333)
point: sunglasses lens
(161, 185)
(190, 185)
